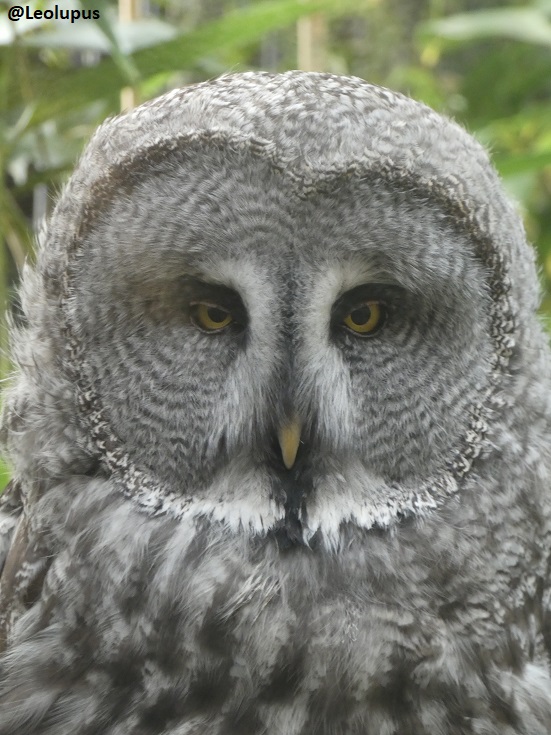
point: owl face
(284, 362)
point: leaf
(521, 24)
(102, 35)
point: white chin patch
(240, 498)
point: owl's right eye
(210, 317)
(365, 319)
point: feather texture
(163, 570)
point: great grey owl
(280, 430)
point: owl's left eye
(365, 318)
(210, 317)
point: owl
(280, 430)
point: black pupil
(216, 315)
(361, 316)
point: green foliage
(4, 475)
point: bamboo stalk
(312, 42)
(129, 10)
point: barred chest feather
(157, 626)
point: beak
(289, 440)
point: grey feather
(165, 572)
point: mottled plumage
(170, 566)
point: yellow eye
(365, 318)
(209, 317)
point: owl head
(285, 302)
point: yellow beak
(289, 440)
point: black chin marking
(292, 488)
(288, 533)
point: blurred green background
(487, 64)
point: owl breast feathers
(280, 430)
